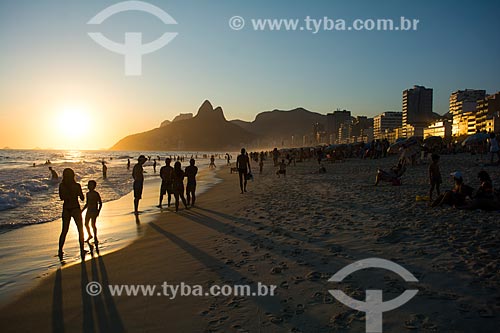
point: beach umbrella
(475, 139)
(433, 140)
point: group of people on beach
(172, 183)
(485, 197)
(70, 191)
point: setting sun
(73, 122)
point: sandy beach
(295, 233)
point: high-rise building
(417, 110)
(440, 127)
(463, 108)
(485, 108)
(388, 120)
(334, 120)
(465, 100)
(319, 132)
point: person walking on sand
(93, 206)
(154, 166)
(166, 174)
(243, 165)
(191, 172)
(138, 175)
(69, 192)
(434, 176)
(178, 185)
(104, 170)
(282, 169)
(53, 174)
(494, 148)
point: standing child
(93, 205)
(434, 175)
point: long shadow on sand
(103, 305)
(270, 304)
(57, 308)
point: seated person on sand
(393, 175)
(457, 196)
(485, 198)
(282, 169)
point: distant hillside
(278, 125)
(182, 116)
(208, 130)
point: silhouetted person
(494, 147)
(434, 176)
(179, 185)
(138, 175)
(167, 178)
(191, 172)
(53, 174)
(93, 206)
(212, 162)
(282, 169)
(104, 170)
(128, 163)
(243, 165)
(154, 166)
(69, 192)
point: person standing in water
(104, 170)
(69, 192)
(138, 175)
(243, 165)
(212, 162)
(191, 172)
(128, 163)
(178, 185)
(154, 166)
(93, 206)
(53, 174)
(166, 187)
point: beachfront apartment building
(417, 110)
(485, 108)
(333, 122)
(465, 100)
(464, 124)
(440, 127)
(463, 105)
(493, 123)
(385, 122)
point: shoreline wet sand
(30, 253)
(295, 233)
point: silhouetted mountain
(278, 125)
(182, 116)
(208, 130)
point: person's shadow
(106, 316)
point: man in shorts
(138, 175)
(166, 174)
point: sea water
(29, 196)
(30, 207)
